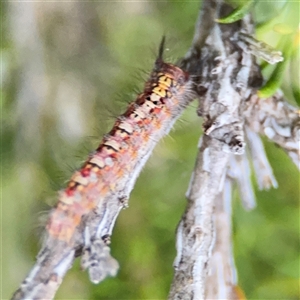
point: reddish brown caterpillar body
(121, 155)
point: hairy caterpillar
(83, 218)
(112, 170)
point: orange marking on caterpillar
(124, 150)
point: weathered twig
(195, 231)
(262, 168)
(227, 76)
(223, 72)
(222, 277)
(239, 170)
(278, 121)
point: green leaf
(276, 77)
(274, 81)
(236, 14)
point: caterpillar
(115, 165)
(84, 216)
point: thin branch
(278, 121)
(262, 168)
(223, 72)
(222, 278)
(240, 171)
(195, 231)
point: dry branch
(223, 71)
(279, 121)
(221, 58)
(222, 277)
(195, 231)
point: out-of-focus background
(68, 69)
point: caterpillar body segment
(114, 167)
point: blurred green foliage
(68, 70)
